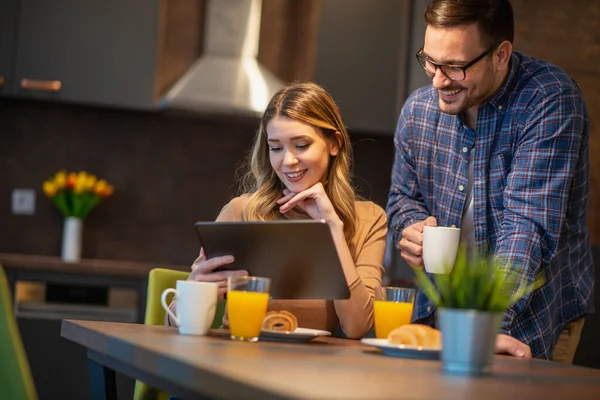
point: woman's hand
(203, 271)
(313, 201)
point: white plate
(299, 335)
(401, 350)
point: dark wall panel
(169, 170)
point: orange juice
(389, 315)
(246, 311)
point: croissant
(416, 335)
(280, 321)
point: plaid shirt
(530, 189)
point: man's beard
(456, 106)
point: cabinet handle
(1, 80)
(44, 86)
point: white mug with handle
(196, 306)
(440, 246)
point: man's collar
(500, 100)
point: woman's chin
(296, 187)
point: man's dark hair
(494, 18)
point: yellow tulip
(100, 186)
(108, 191)
(90, 181)
(103, 189)
(49, 188)
(60, 179)
(82, 175)
(80, 182)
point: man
(498, 146)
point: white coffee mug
(196, 306)
(440, 246)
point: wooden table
(91, 272)
(326, 368)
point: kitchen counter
(85, 266)
(87, 272)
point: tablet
(298, 255)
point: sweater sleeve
(234, 210)
(356, 313)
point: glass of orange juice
(247, 302)
(393, 308)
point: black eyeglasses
(450, 71)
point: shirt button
(499, 107)
(465, 149)
(428, 308)
(461, 188)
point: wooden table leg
(103, 384)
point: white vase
(71, 239)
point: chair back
(159, 280)
(16, 381)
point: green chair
(159, 280)
(16, 381)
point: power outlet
(23, 201)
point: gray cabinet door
(101, 51)
(359, 60)
(8, 25)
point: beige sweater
(367, 249)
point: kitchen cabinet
(362, 60)
(127, 53)
(8, 24)
(121, 53)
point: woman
(299, 168)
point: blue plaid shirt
(530, 189)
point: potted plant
(75, 195)
(471, 301)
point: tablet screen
(298, 255)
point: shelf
(60, 311)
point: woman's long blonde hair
(312, 105)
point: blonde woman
(299, 168)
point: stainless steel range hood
(227, 78)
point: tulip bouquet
(75, 194)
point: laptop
(298, 255)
